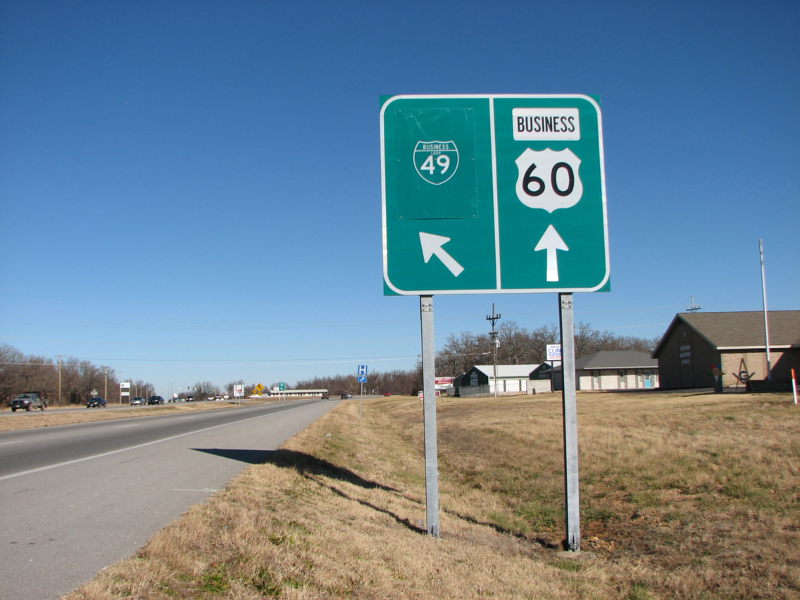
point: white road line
(7, 443)
(112, 452)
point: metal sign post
(429, 409)
(570, 408)
(362, 376)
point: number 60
(530, 179)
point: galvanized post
(569, 405)
(764, 301)
(429, 409)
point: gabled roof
(740, 330)
(615, 359)
(520, 371)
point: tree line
(396, 382)
(516, 345)
(61, 381)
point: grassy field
(682, 496)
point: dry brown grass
(47, 418)
(689, 497)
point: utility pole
(493, 334)
(58, 357)
(692, 306)
(105, 372)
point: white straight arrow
(432, 245)
(551, 242)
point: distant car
(137, 401)
(155, 400)
(27, 401)
(387, 393)
(96, 402)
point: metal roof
(507, 370)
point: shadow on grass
(303, 463)
(400, 520)
(539, 540)
(315, 469)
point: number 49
(442, 161)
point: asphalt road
(77, 498)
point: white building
(511, 379)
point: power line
(243, 361)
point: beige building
(612, 370)
(697, 347)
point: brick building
(697, 346)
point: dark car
(96, 402)
(155, 400)
(27, 401)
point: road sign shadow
(317, 470)
(304, 464)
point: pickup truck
(27, 401)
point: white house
(480, 380)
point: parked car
(96, 402)
(27, 401)
(155, 400)
(138, 401)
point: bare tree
(205, 389)
(20, 373)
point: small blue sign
(362, 379)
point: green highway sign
(493, 194)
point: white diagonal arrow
(432, 244)
(551, 242)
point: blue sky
(191, 190)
